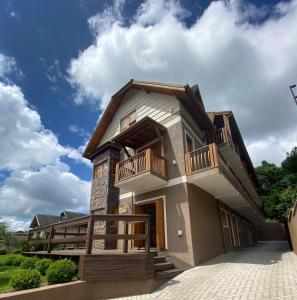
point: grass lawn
(5, 274)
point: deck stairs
(164, 269)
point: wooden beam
(126, 152)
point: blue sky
(62, 60)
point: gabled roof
(42, 220)
(69, 215)
(191, 99)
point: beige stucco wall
(177, 218)
(205, 224)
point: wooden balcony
(143, 171)
(201, 159)
(207, 168)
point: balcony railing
(142, 162)
(53, 231)
(222, 136)
(201, 159)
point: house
(40, 220)
(157, 151)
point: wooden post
(89, 241)
(147, 233)
(51, 235)
(117, 177)
(186, 163)
(148, 154)
(125, 245)
(28, 240)
(215, 155)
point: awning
(140, 133)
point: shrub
(17, 251)
(3, 251)
(61, 271)
(25, 279)
(14, 260)
(43, 264)
(29, 262)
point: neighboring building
(40, 220)
(157, 151)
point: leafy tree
(8, 238)
(278, 186)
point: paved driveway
(267, 271)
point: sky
(60, 62)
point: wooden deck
(98, 264)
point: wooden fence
(52, 231)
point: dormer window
(128, 120)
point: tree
(278, 186)
(8, 238)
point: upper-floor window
(128, 120)
(189, 143)
(100, 169)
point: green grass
(5, 274)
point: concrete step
(159, 259)
(168, 274)
(164, 266)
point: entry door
(160, 228)
(160, 224)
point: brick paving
(266, 271)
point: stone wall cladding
(105, 196)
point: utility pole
(292, 91)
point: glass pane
(123, 123)
(132, 118)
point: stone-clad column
(104, 195)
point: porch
(144, 165)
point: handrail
(202, 158)
(140, 163)
(89, 236)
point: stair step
(168, 274)
(159, 259)
(164, 266)
(154, 252)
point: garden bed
(18, 272)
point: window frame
(187, 135)
(226, 219)
(103, 164)
(127, 120)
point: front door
(156, 211)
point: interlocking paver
(266, 271)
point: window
(128, 120)
(100, 169)
(224, 218)
(189, 143)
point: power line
(292, 91)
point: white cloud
(35, 179)
(24, 141)
(50, 189)
(7, 64)
(242, 66)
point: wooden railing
(200, 159)
(87, 238)
(222, 135)
(140, 163)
